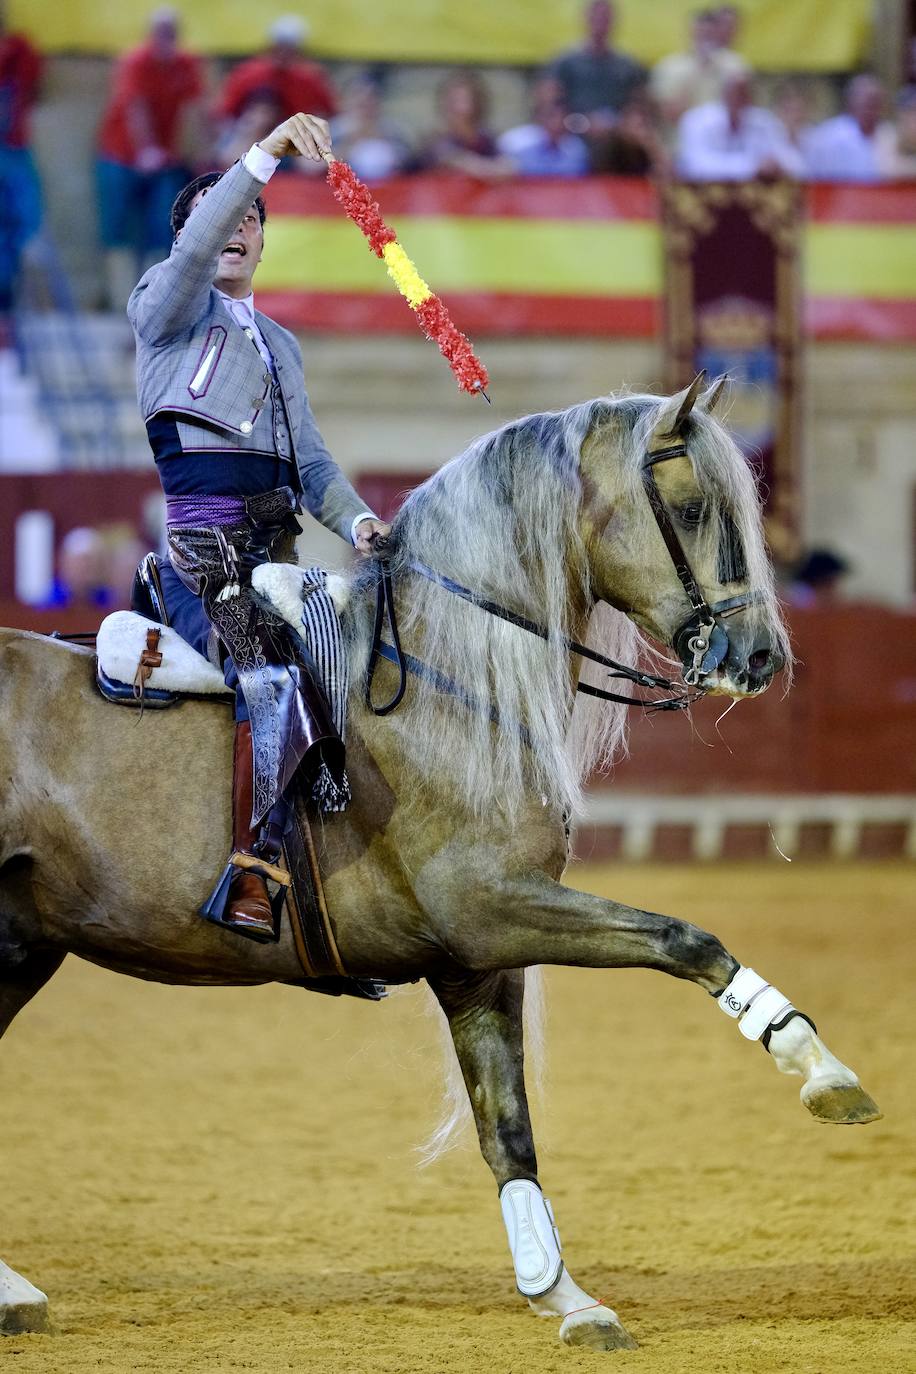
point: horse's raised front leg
(484, 1013)
(537, 921)
(23, 1307)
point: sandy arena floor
(224, 1180)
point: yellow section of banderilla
(405, 276)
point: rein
(405, 663)
(701, 640)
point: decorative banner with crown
(733, 305)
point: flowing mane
(501, 518)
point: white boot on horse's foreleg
(831, 1091)
(23, 1307)
(542, 1277)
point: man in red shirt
(141, 167)
(20, 193)
(294, 83)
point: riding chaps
(290, 720)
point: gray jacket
(197, 366)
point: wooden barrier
(848, 724)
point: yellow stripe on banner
(562, 257)
(877, 261)
(776, 35)
(524, 256)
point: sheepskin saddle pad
(140, 662)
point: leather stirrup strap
(316, 947)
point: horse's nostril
(759, 661)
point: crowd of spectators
(593, 108)
(20, 191)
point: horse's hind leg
(484, 1013)
(537, 921)
(22, 1306)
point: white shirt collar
(246, 304)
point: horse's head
(674, 538)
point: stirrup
(276, 879)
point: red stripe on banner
(289, 193)
(891, 204)
(604, 198)
(613, 317)
(829, 317)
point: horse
(617, 521)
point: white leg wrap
(534, 1241)
(755, 1001)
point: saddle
(142, 662)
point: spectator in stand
(697, 77)
(20, 193)
(375, 147)
(465, 143)
(596, 80)
(818, 580)
(845, 148)
(259, 116)
(896, 140)
(82, 571)
(733, 140)
(728, 21)
(792, 105)
(296, 83)
(141, 164)
(634, 147)
(546, 148)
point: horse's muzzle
(748, 674)
(719, 658)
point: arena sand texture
(223, 1180)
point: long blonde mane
(502, 519)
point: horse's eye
(692, 513)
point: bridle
(701, 637)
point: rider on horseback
(238, 450)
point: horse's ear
(713, 394)
(675, 410)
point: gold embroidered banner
(733, 306)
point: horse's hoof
(23, 1307)
(839, 1104)
(596, 1329)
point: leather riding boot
(248, 908)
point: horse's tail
(456, 1106)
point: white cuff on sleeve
(363, 515)
(260, 164)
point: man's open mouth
(237, 249)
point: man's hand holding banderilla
(301, 135)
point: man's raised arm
(172, 296)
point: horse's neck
(462, 706)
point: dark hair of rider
(181, 206)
